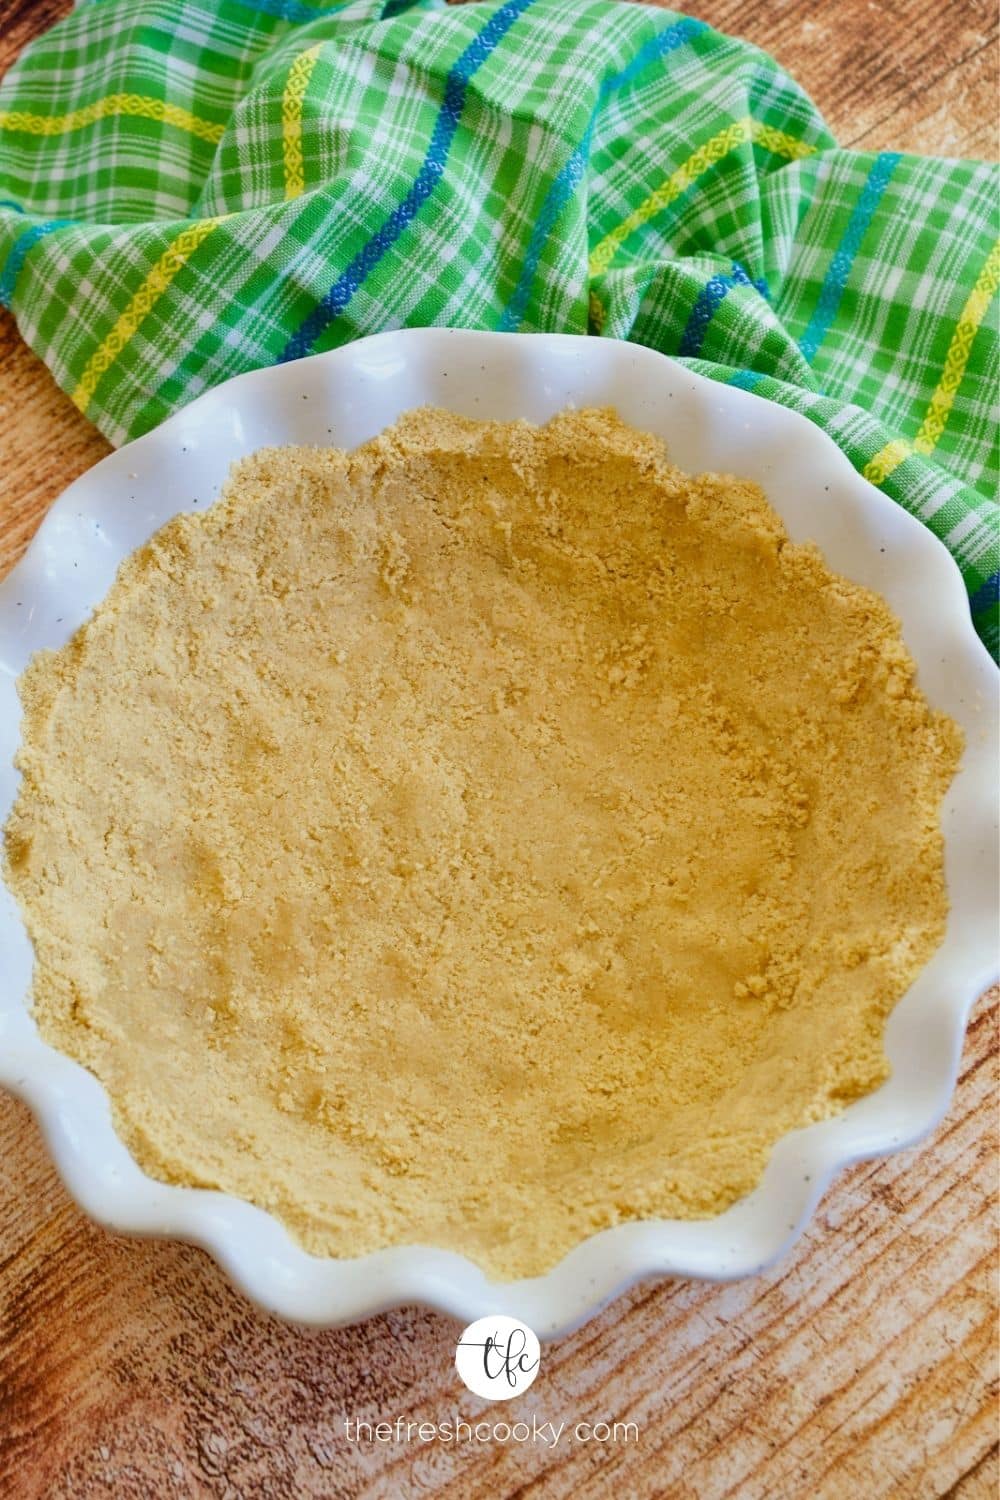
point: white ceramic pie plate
(345, 397)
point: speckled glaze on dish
(345, 397)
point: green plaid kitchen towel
(197, 187)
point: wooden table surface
(865, 1365)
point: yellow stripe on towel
(889, 458)
(299, 75)
(959, 349)
(687, 174)
(112, 104)
(176, 255)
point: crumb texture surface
(477, 840)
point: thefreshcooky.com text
(458, 1430)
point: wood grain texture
(916, 75)
(865, 1365)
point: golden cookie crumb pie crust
(477, 840)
